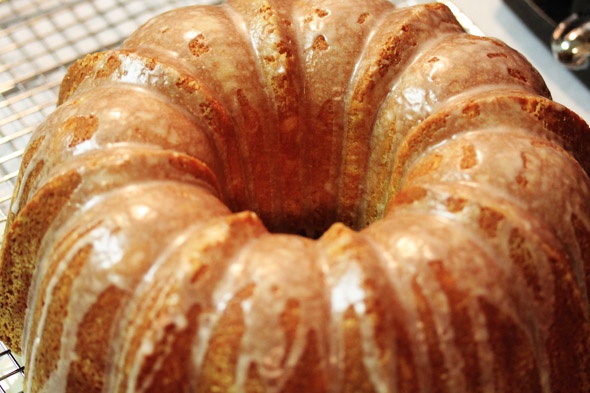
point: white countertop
(495, 19)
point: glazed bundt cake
(302, 196)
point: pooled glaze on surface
(157, 219)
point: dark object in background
(543, 18)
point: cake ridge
(402, 58)
(229, 221)
(461, 112)
(430, 99)
(321, 35)
(176, 83)
(355, 257)
(133, 209)
(461, 201)
(489, 273)
(271, 37)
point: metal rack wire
(39, 39)
(11, 372)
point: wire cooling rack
(39, 39)
(11, 372)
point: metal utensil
(571, 38)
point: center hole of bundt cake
(301, 226)
(307, 232)
(315, 206)
(311, 233)
(302, 221)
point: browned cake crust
(302, 196)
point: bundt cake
(302, 196)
